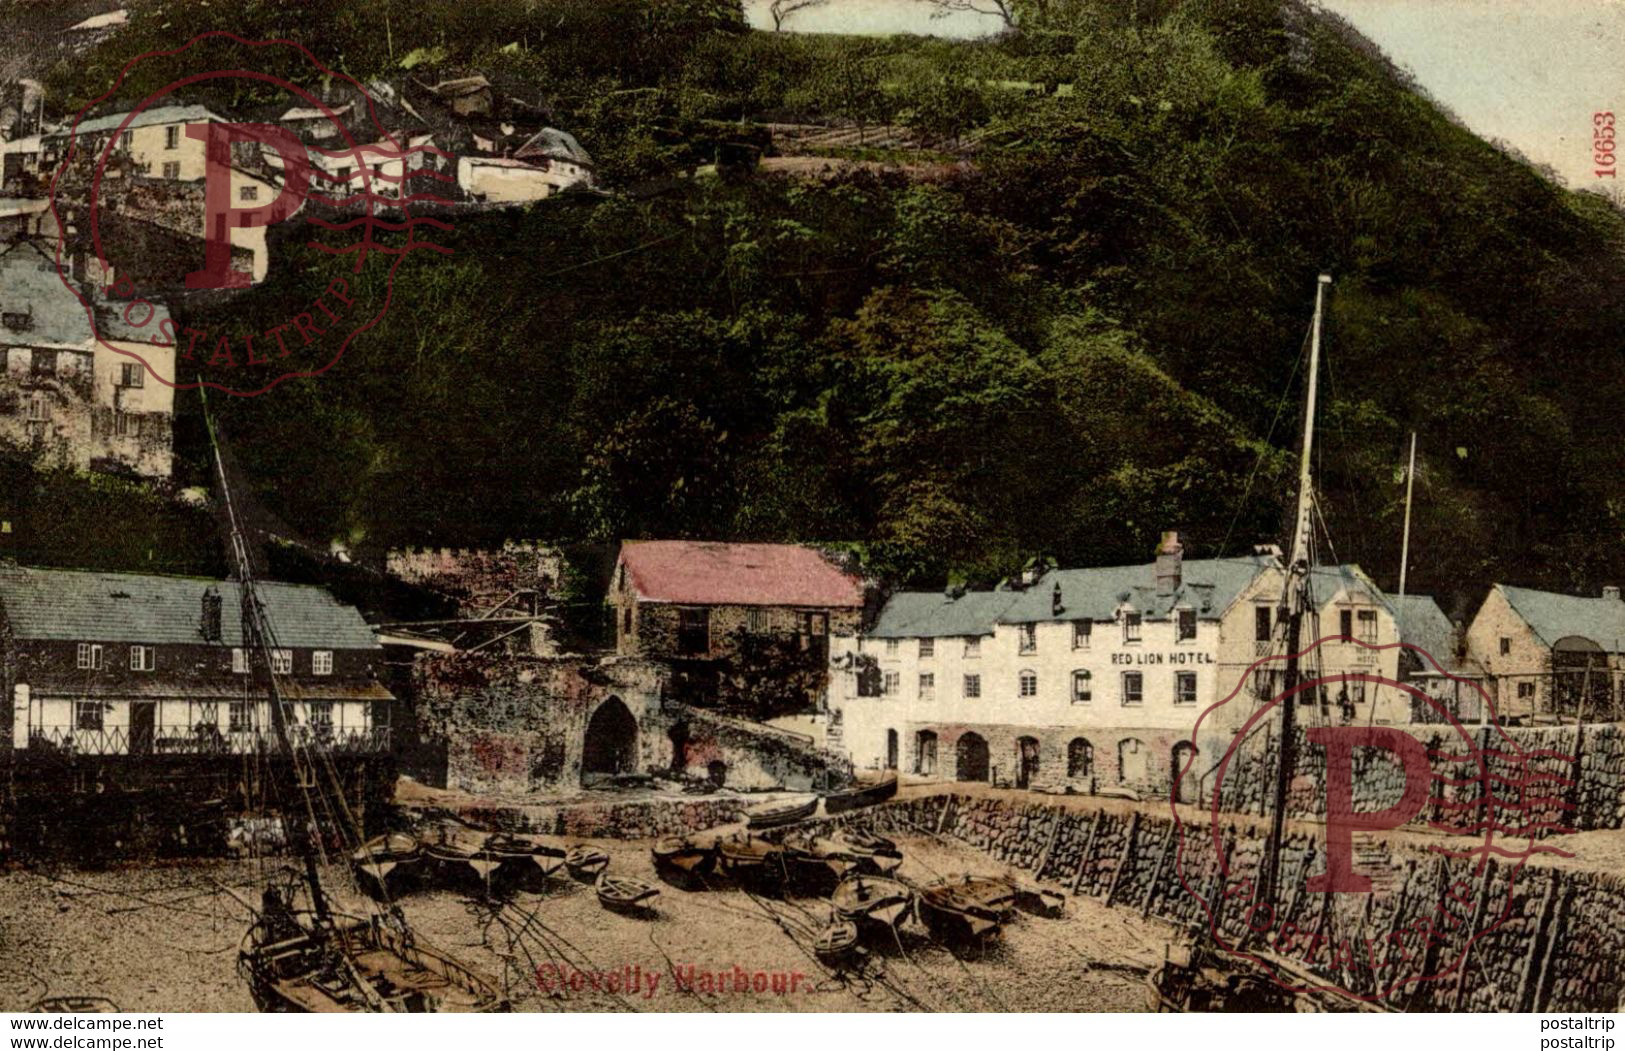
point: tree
(781, 10)
(1002, 9)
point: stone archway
(611, 742)
(971, 755)
(1186, 782)
(1026, 761)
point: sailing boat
(313, 959)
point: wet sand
(165, 938)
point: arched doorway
(679, 746)
(1080, 759)
(891, 749)
(1133, 761)
(611, 743)
(971, 753)
(925, 752)
(1185, 781)
(1026, 761)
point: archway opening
(1185, 781)
(1026, 761)
(925, 753)
(1080, 759)
(610, 746)
(1133, 762)
(971, 753)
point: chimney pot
(1170, 555)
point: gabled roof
(1554, 617)
(1206, 585)
(77, 605)
(703, 573)
(31, 284)
(1423, 624)
(935, 614)
(555, 145)
(147, 117)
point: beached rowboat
(967, 908)
(586, 863)
(781, 812)
(872, 902)
(861, 796)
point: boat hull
(872, 903)
(779, 814)
(857, 799)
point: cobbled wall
(1560, 945)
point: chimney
(1170, 553)
(1055, 605)
(1611, 591)
(211, 615)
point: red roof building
(703, 573)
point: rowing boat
(753, 862)
(586, 863)
(624, 893)
(386, 866)
(781, 812)
(861, 796)
(874, 903)
(880, 853)
(681, 860)
(968, 908)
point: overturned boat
(586, 863)
(968, 908)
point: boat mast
(1405, 542)
(256, 647)
(1294, 603)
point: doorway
(1026, 761)
(891, 749)
(143, 727)
(971, 758)
(1185, 780)
(610, 746)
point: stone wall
(480, 579)
(1595, 798)
(1561, 946)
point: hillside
(1086, 336)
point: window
(1526, 690)
(973, 646)
(693, 631)
(1186, 625)
(816, 624)
(17, 322)
(172, 169)
(1184, 687)
(928, 648)
(1345, 623)
(1357, 692)
(87, 715)
(240, 717)
(39, 409)
(893, 683)
(282, 662)
(1028, 684)
(1028, 638)
(1131, 627)
(42, 362)
(1080, 633)
(1082, 689)
(90, 656)
(1261, 623)
(239, 660)
(321, 662)
(172, 137)
(131, 375)
(1506, 646)
(973, 686)
(1133, 688)
(343, 174)
(1367, 619)
(321, 717)
(141, 658)
(125, 139)
(928, 684)
(126, 425)
(891, 647)
(248, 193)
(756, 621)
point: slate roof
(1206, 585)
(1553, 617)
(76, 605)
(934, 614)
(555, 144)
(1423, 624)
(149, 116)
(703, 573)
(30, 284)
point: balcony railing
(176, 740)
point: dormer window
(321, 662)
(90, 656)
(1081, 630)
(281, 662)
(1027, 639)
(142, 658)
(1186, 621)
(1131, 626)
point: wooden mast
(1294, 602)
(257, 649)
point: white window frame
(172, 137)
(240, 716)
(1027, 683)
(1026, 638)
(143, 658)
(239, 660)
(90, 656)
(1138, 693)
(973, 686)
(39, 409)
(891, 684)
(928, 685)
(1083, 691)
(321, 662)
(281, 662)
